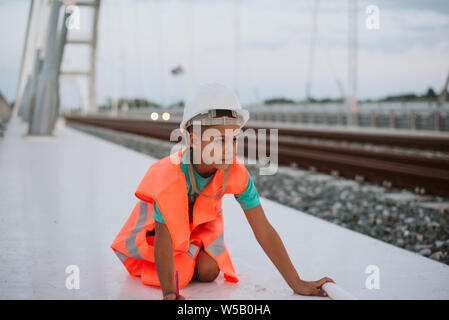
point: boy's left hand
(312, 288)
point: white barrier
(336, 292)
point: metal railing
(392, 116)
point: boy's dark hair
(220, 113)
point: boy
(178, 223)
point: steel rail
(431, 175)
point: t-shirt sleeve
(157, 214)
(249, 198)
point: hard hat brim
(242, 112)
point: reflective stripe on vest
(192, 250)
(217, 246)
(121, 256)
(130, 242)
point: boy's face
(217, 144)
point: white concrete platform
(63, 199)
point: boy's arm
(272, 245)
(163, 258)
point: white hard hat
(210, 97)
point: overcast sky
(140, 41)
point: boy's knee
(207, 274)
(206, 269)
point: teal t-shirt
(247, 199)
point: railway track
(415, 172)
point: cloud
(139, 43)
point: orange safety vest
(166, 184)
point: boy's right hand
(312, 288)
(172, 296)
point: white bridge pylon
(47, 34)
